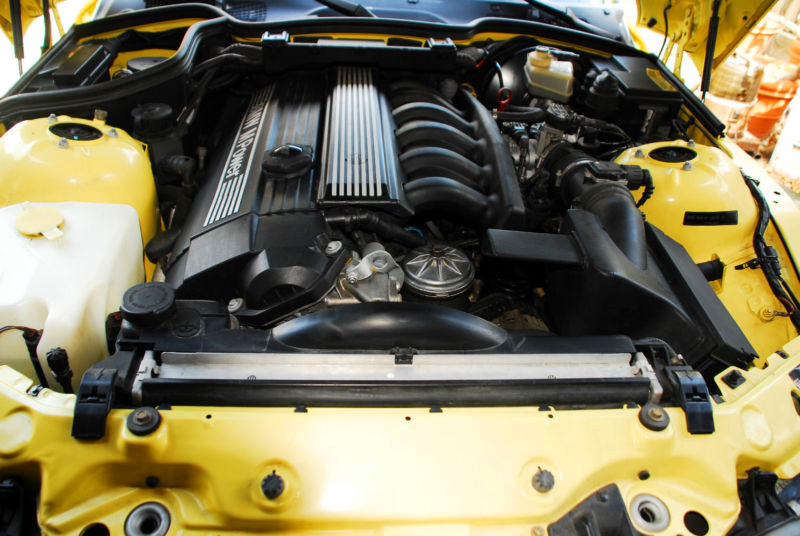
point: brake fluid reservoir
(63, 269)
(547, 77)
(62, 158)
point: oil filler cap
(40, 221)
(148, 304)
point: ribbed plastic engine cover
(359, 153)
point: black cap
(148, 304)
(152, 120)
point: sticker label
(725, 217)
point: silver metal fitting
(333, 248)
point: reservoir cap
(40, 221)
(148, 304)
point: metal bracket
(770, 258)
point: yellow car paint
(393, 471)
(38, 166)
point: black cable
(766, 257)
(499, 74)
(32, 338)
(666, 29)
(48, 37)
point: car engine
(498, 198)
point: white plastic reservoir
(64, 280)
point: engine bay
(385, 203)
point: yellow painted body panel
(713, 183)
(112, 169)
(122, 59)
(688, 22)
(393, 471)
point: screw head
(63, 143)
(112, 133)
(52, 118)
(687, 166)
(272, 486)
(333, 247)
(538, 530)
(655, 413)
(639, 153)
(543, 481)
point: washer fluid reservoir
(63, 269)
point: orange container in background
(773, 98)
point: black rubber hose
(614, 206)
(225, 58)
(435, 161)
(176, 196)
(443, 196)
(611, 202)
(356, 218)
(433, 134)
(531, 115)
(431, 112)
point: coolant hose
(352, 218)
(440, 195)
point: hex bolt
(272, 486)
(141, 417)
(352, 279)
(52, 118)
(63, 143)
(235, 304)
(687, 166)
(655, 413)
(143, 421)
(653, 417)
(333, 247)
(639, 153)
(112, 133)
(543, 481)
(691, 143)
